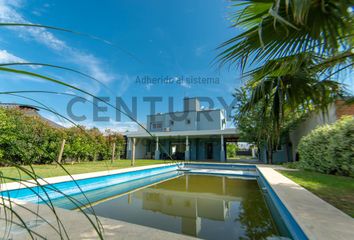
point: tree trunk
(270, 153)
(61, 151)
(113, 152)
(118, 152)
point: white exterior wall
(181, 125)
(217, 117)
(156, 118)
(305, 127)
(198, 120)
(140, 148)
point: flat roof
(232, 132)
(188, 111)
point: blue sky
(155, 38)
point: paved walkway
(76, 225)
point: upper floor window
(188, 121)
(156, 125)
(172, 122)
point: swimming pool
(204, 200)
(204, 206)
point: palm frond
(288, 27)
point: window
(188, 121)
(172, 122)
(156, 125)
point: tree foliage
(329, 148)
(28, 139)
(231, 149)
(289, 52)
(256, 124)
(274, 29)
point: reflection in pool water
(209, 207)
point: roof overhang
(228, 132)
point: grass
(240, 157)
(336, 190)
(52, 170)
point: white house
(191, 134)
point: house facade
(335, 111)
(288, 151)
(192, 134)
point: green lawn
(83, 167)
(336, 190)
(240, 157)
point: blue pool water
(61, 190)
(239, 190)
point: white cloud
(122, 126)
(111, 125)
(88, 62)
(199, 51)
(124, 82)
(91, 64)
(6, 57)
(185, 84)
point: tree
(28, 139)
(279, 28)
(6, 133)
(291, 50)
(116, 139)
(268, 106)
(231, 149)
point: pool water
(204, 206)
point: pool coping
(315, 217)
(310, 216)
(66, 178)
(74, 220)
(78, 226)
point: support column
(129, 149)
(157, 152)
(253, 152)
(222, 152)
(133, 153)
(186, 153)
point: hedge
(26, 139)
(329, 148)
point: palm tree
(297, 47)
(282, 93)
(279, 28)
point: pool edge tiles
(66, 178)
(315, 217)
(286, 218)
(87, 182)
(332, 223)
(77, 225)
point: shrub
(330, 148)
(28, 139)
(231, 150)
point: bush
(291, 165)
(26, 139)
(330, 148)
(231, 149)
